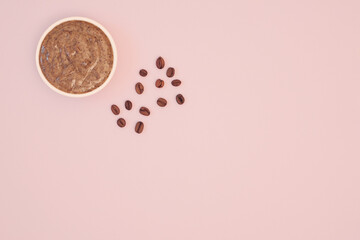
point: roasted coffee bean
(170, 72)
(128, 104)
(180, 99)
(159, 83)
(161, 102)
(144, 111)
(121, 122)
(176, 82)
(160, 63)
(139, 88)
(139, 127)
(115, 109)
(143, 73)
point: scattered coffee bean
(115, 109)
(161, 102)
(180, 99)
(121, 122)
(160, 63)
(139, 88)
(159, 83)
(139, 127)
(176, 82)
(170, 72)
(144, 111)
(128, 105)
(143, 73)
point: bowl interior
(112, 43)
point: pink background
(265, 147)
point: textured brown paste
(76, 57)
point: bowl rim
(76, 95)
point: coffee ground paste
(76, 57)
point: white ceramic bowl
(73, 94)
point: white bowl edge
(112, 45)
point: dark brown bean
(176, 82)
(115, 109)
(159, 83)
(139, 88)
(128, 104)
(161, 102)
(139, 127)
(170, 72)
(144, 111)
(143, 73)
(180, 99)
(121, 122)
(160, 63)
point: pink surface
(265, 147)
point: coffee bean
(121, 122)
(115, 109)
(170, 72)
(160, 63)
(139, 88)
(139, 127)
(176, 82)
(180, 99)
(161, 102)
(143, 72)
(159, 83)
(128, 105)
(144, 111)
